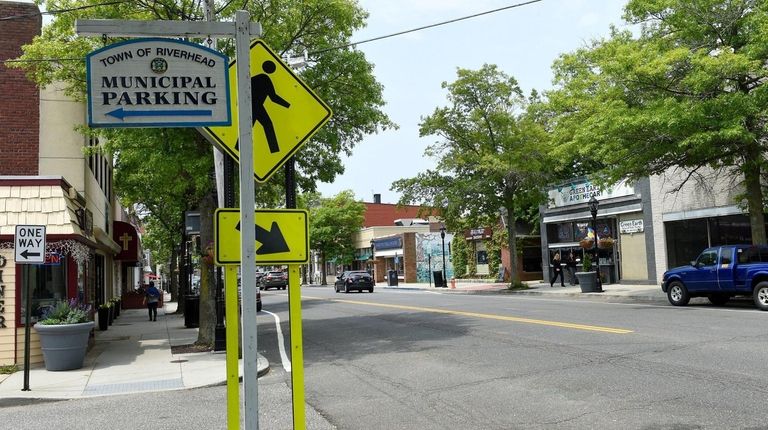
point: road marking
(281, 342)
(488, 316)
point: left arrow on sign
(26, 254)
(272, 241)
(120, 113)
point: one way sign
(29, 242)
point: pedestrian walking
(557, 267)
(151, 299)
(570, 266)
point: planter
(587, 282)
(117, 308)
(111, 314)
(64, 345)
(103, 318)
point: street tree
(332, 227)
(317, 30)
(687, 93)
(491, 155)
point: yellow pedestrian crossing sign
(282, 236)
(286, 113)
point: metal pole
(247, 222)
(598, 282)
(445, 271)
(27, 323)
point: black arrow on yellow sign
(272, 241)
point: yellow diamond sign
(286, 113)
(282, 236)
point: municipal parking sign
(29, 242)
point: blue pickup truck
(720, 273)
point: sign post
(242, 30)
(29, 242)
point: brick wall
(19, 97)
(409, 256)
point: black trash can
(439, 281)
(191, 311)
(392, 278)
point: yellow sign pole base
(297, 347)
(232, 323)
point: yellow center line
(486, 316)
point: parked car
(274, 279)
(720, 273)
(354, 280)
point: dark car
(354, 280)
(273, 280)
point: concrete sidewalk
(132, 356)
(619, 292)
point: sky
(522, 41)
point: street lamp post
(445, 272)
(593, 206)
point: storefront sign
(389, 243)
(581, 192)
(633, 226)
(3, 261)
(478, 234)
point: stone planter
(587, 282)
(64, 345)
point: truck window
(725, 258)
(753, 255)
(708, 258)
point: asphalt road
(424, 360)
(421, 360)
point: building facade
(46, 179)
(657, 223)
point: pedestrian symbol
(286, 113)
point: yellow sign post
(282, 236)
(286, 113)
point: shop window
(685, 241)
(730, 230)
(565, 232)
(48, 285)
(482, 257)
(531, 259)
(581, 230)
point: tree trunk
(509, 205)
(183, 277)
(174, 287)
(207, 279)
(322, 268)
(755, 197)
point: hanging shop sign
(154, 82)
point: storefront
(567, 219)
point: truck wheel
(760, 294)
(678, 294)
(718, 299)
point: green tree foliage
(491, 154)
(166, 172)
(333, 225)
(688, 92)
(459, 250)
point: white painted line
(281, 342)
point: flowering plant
(71, 312)
(605, 243)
